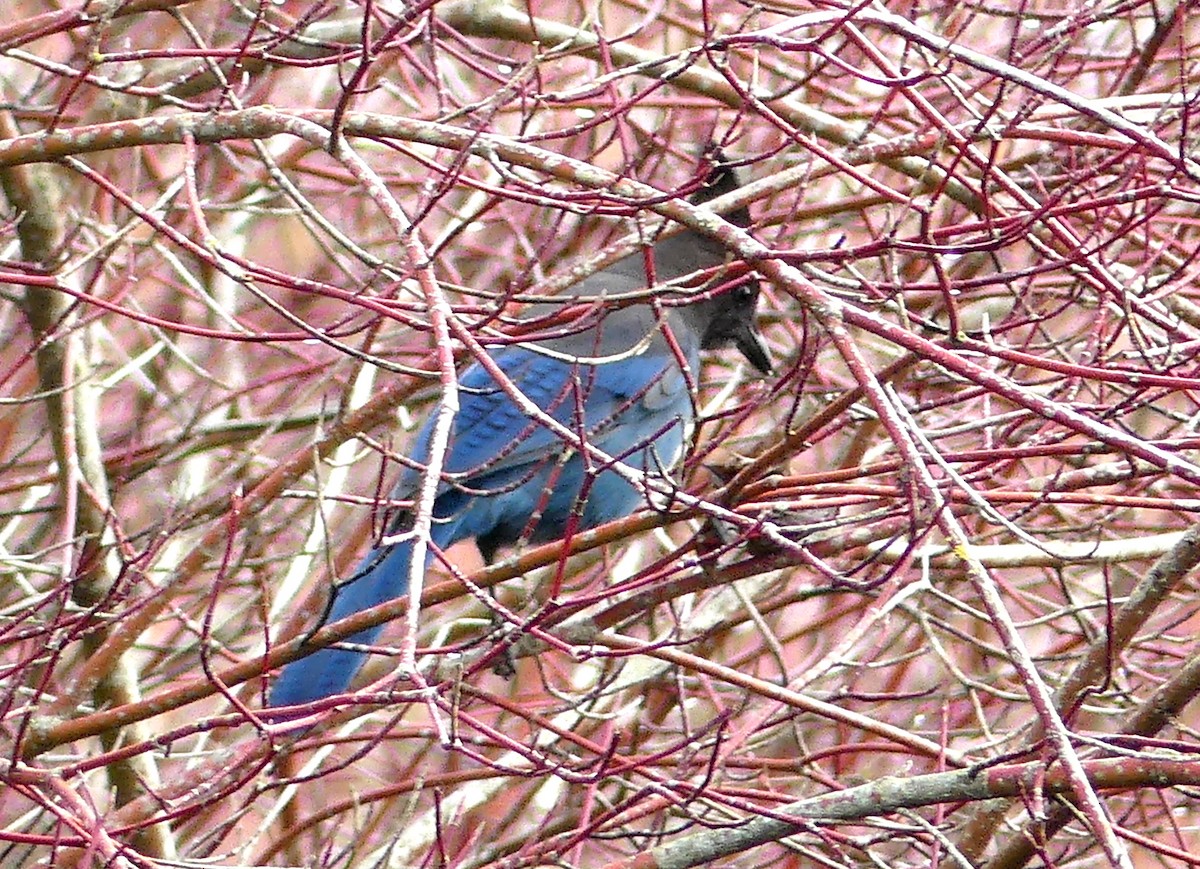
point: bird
(620, 377)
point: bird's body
(617, 378)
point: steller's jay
(612, 377)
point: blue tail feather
(382, 576)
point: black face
(731, 321)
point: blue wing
(506, 475)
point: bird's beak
(751, 345)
